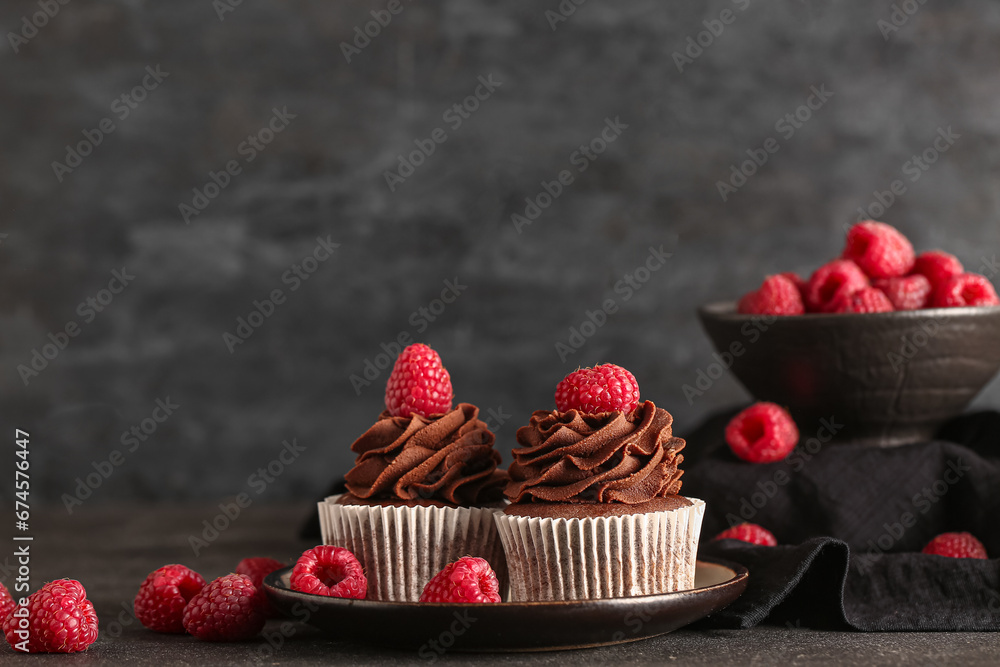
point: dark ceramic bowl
(887, 378)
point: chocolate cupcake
(423, 490)
(595, 510)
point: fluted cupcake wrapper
(601, 557)
(402, 548)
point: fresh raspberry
(800, 284)
(60, 620)
(763, 433)
(603, 388)
(832, 284)
(879, 249)
(226, 610)
(160, 602)
(777, 296)
(866, 300)
(968, 289)
(749, 532)
(418, 384)
(911, 292)
(956, 545)
(468, 579)
(7, 603)
(937, 266)
(330, 571)
(257, 569)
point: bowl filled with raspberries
(889, 341)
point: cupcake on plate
(595, 511)
(424, 487)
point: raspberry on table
(937, 266)
(832, 284)
(956, 545)
(60, 620)
(225, 610)
(466, 580)
(418, 384)
(911, 292)
(749, 532)
(160, 602)
(867, 300)
(603, 388)
(880, 250)
(7, 603)
(330, 571)
(778, 295)
(763, 433)
(968, 289)
(257, 569)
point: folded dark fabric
(851, 521)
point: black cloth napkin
(850, 522)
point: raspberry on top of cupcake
(421, 451)
(600, 453)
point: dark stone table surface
(111, 549)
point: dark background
(324, 176)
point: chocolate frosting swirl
(574, 457)
(448, 457)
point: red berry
(7, 603)
(798, 281)
(956, 545)
(778, 295)
(330, 571)
(468, 579)
(749, 532)
(160, 602)
(60, 620)
(603, 388)
(879, 249)
(867, 300)
(832, 284)
(968, 289)
(763, 433)
(937, 266)
(257, 569)
(226, 610)
(911, 292)
(418, 384)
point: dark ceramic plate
(431, 629)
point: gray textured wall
(324, 175)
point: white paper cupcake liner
(601, 557)
(402, 548)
